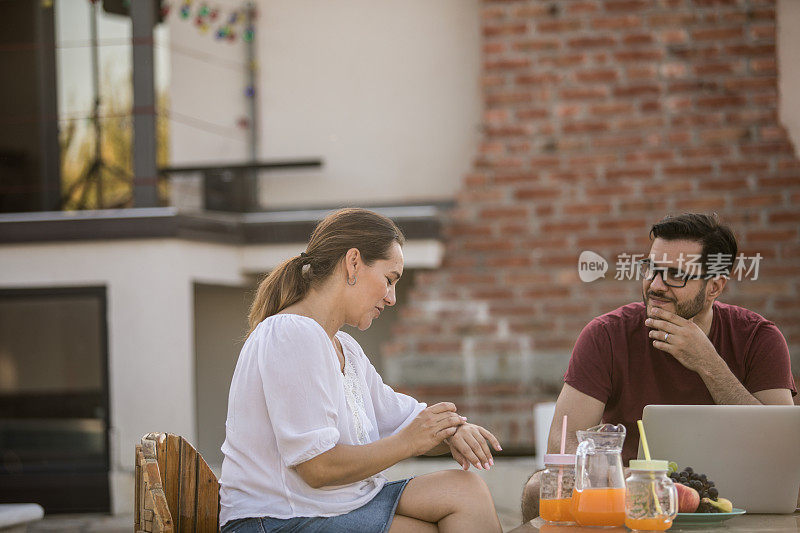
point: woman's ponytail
(285, 285)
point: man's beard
(687, 310)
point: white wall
(150, 327)
(789, 68)
(386, 93)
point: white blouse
(288, 403)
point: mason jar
(651, 499)
(555, 488)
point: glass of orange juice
(555, 489)
(651, 500)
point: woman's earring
(348, 281)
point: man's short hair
(716, 238)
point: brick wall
(600, 117)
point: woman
(311, 425)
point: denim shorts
(373, 517)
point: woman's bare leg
(453, 500)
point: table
(760, 523)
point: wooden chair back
(176, 491)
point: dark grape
(703, 477)
(710, 483)
(689, 470)
(713, 493)
(694, 476)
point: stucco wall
(386, 93)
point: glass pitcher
(599, 495)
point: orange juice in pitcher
(599, 495)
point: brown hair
(372, 234)
(717, 238)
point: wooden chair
(176, 491)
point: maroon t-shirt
(614, 361)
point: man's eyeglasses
(672, 277)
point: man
(680, 346)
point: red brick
(744, 167)
(509, 261)
(506, 131)
(688, 170)
(531, 11)
(533, 113)
(616, 23)
(763, 66)
(706, 152)
(504, 98)
(723, 135)
(715, 102)
(506, 63)
(780, 182)
(650, 156)
(574, 226)
(773, 235)
(751, 50)
(717, 34)
(544, 162)
(638, 55)
(582, 7)
(674, 36)
(492, 81)
(710, 69)
(584, 127)
(636, 90)
(468, 230)
(671, 20)
(607, 190)
(762, 149)
(537, 193)
(635, 224)
(504, 212)
(604, 242)
(563, 61)
(617, 141)
(597, 75)
(758, 200)
(516, 28)
(494, 48)
(637, 39)
(626, 5)
(668, 187)
(600, 41)
(644, 205)
(616, 108)
(587, 208)
(538, 79)
(752, 84)
(531, 45)
(629, 173)
(763, 33)
(700, 204)
(639, 72)
(559, 26)
(584, 93)
(722, 185)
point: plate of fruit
(699, 501)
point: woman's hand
(469, 446)
(431, 426)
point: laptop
(751, 452)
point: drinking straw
(647, 456)
(563, 448)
